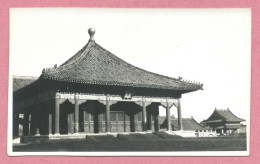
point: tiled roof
(187, 124)
(20, 82)
(95, 65)
(225, 114)
(161, 119)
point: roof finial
(91, 32)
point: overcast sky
(212, 46)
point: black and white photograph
(129, 82)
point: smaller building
(224, 122)
(190, 127)
(20, 82)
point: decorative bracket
(174, 102)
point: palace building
(96, 92)
(224, 121)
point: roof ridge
(117, 58)
(234, 114)
(196, 122)
(71, 61)
(25, 77)
(84, 50)
(215, 111)
(221, 109)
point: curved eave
(115, 83)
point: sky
(211, 46)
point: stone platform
(47, 138)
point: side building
(224, 122)
(190, 127)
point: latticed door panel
(117, 121)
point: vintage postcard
(129, 82)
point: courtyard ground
(137, 142)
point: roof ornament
(91, 32)
(44, 70)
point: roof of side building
(187, 124)
(20, 82)
(223, 115)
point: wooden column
(168, 116)
(152, 122)
(124, 122)
(107, 115)
(26, 123)
(144, 117)
(30, 123)
(135, 121)
(89, 121)
(15, 124)
(100, 119)
(179, 116)
(50, 120)
(157, 119)
(57, 116)
(76, 122)
(50, 124)
(156, 122)
(84, 120)
(37, 121)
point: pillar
(157, 123)
(26, 123)
(135, 122)
(30, 123)
(107, 115)
(89, 122)
(124, 122)
(37, 122)
(70, 121)
(57, 116)
(144, 118)
(179, 116)
(15, 124)
(85, 120)
(76, 122)
(100, 119)
(152, 122)
(168, 116)
(50, 122)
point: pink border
(255, 93)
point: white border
(163, 153)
